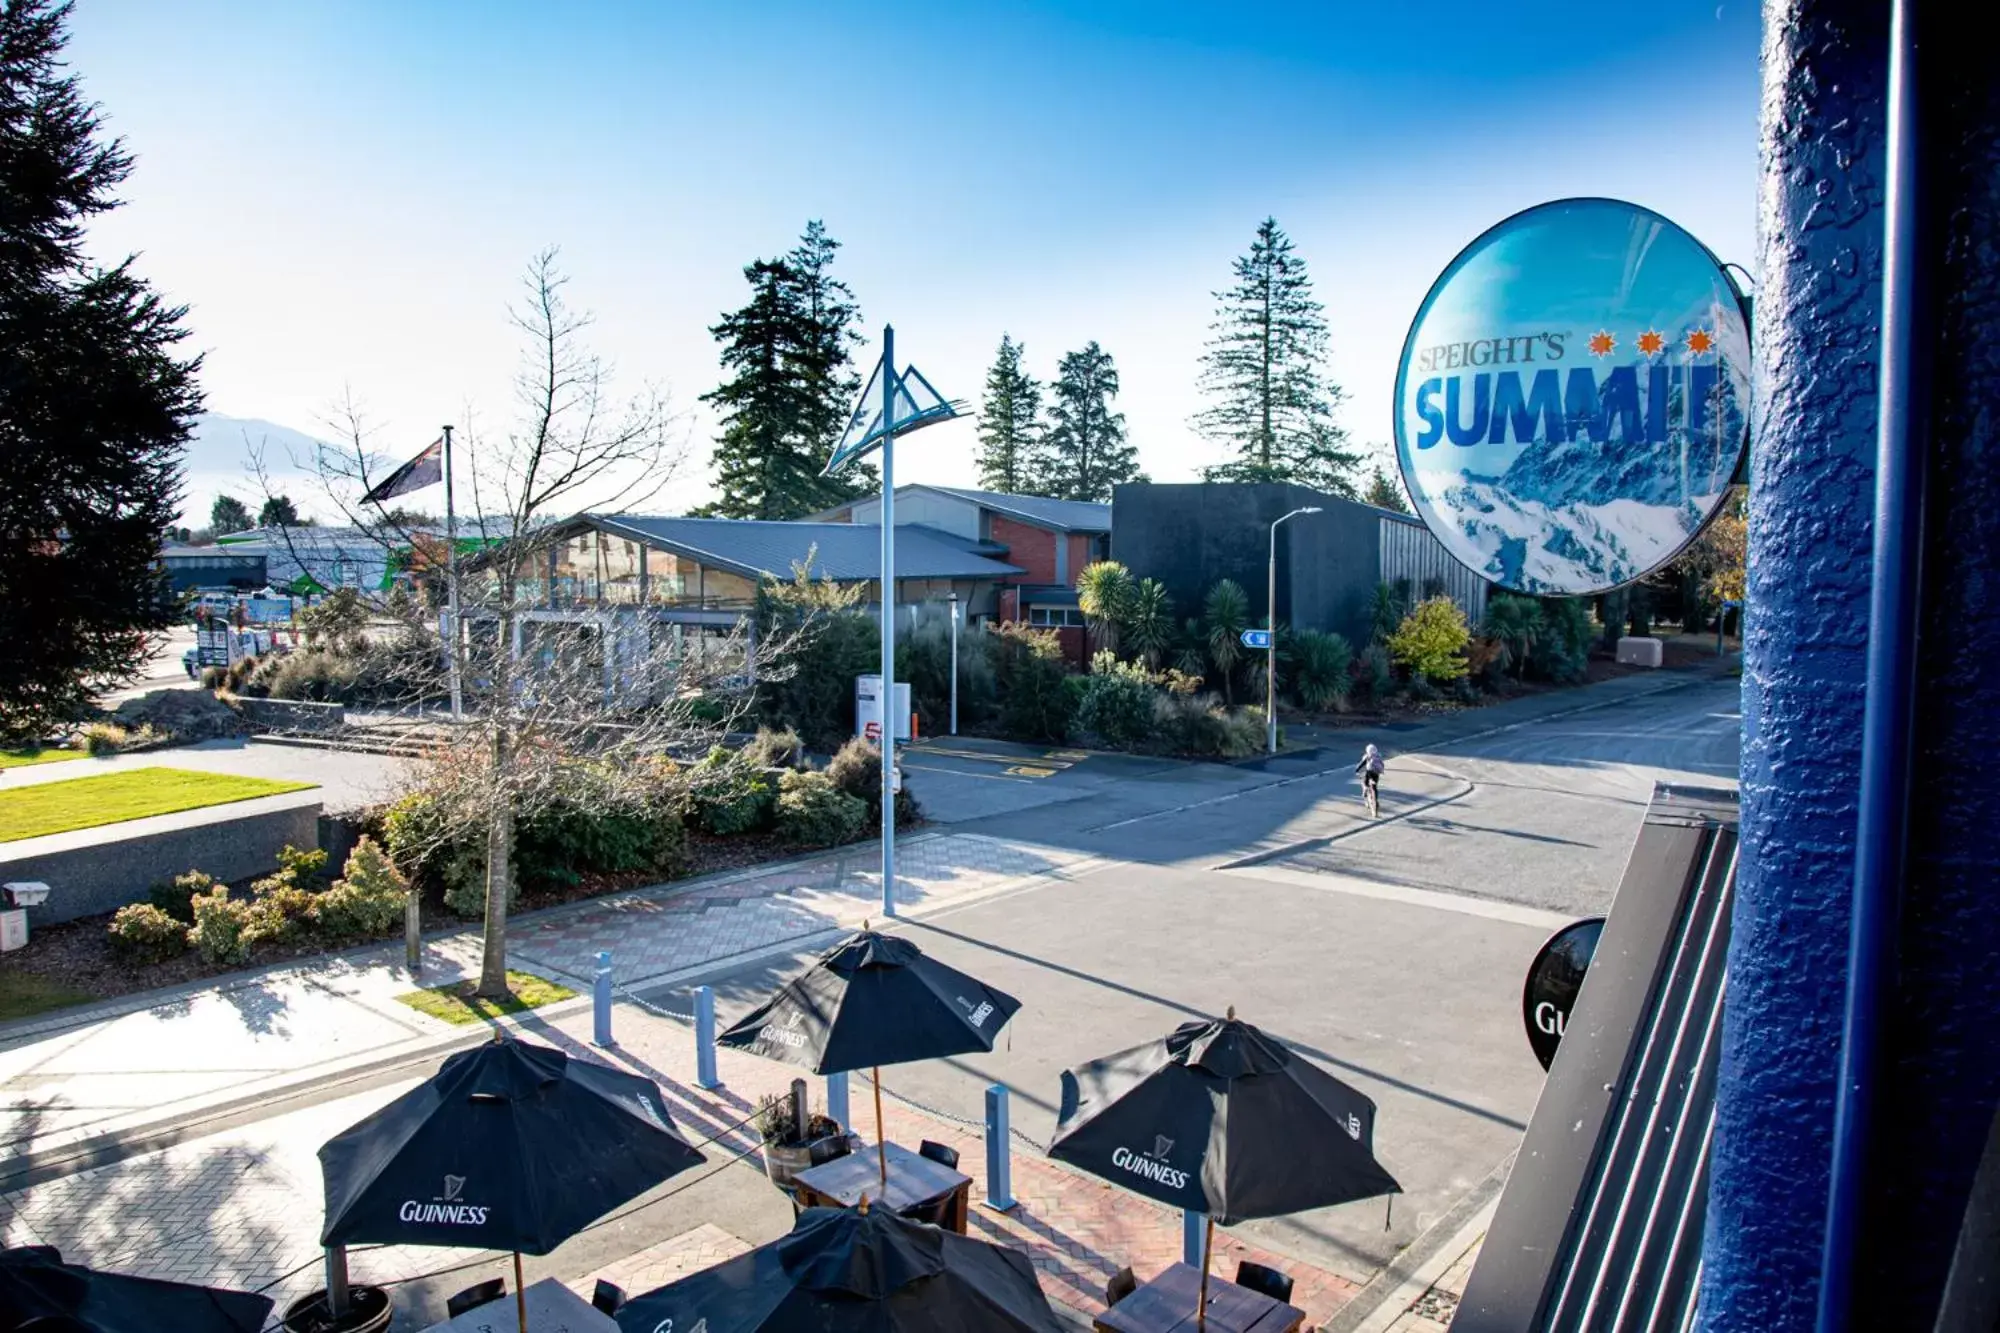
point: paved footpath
(241, 1207)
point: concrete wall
(292, 714)
(102, 869)
(947, 513)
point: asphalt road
(1391, 951)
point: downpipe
(1889, 703)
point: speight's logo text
(446, 1208)
(1151, 1165)
(1529, 402)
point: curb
(1424, 1260)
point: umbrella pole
(881, 1141)
(520, 1295)
(1207, 1249)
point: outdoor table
(913, 1179)
(552, 1308)
(1166, 1305)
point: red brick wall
(1079, 554)
(1030, 547)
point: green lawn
(455, 1006)
(22, 996)
(22, 758)
(58, 807)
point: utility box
(13, 929)
(1640, 652)
(868, 708)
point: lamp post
(954, 662)
(1271, 648)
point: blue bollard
(1191, 1237)
(601, 1001)
(836, 1099)
(704, 1039)
(999, 1150)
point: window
(1055, 617)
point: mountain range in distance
(218, 462)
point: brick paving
(671, 1260)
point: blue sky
(345, 194)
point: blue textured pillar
(1813, 472)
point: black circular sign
(1553, 981)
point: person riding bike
(1370, 768)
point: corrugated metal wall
(1410, 552)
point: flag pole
(451, 581)
(888, 592)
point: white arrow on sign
(1256, 638)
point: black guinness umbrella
(511, 1146)
(873, 1000)
(1220, 1118)
(855, 1271)
(36, 1284)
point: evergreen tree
(95, 409)
(1385, 492)
(1269, 402)
(228, 514)
(793, 384)
(1084, 452)
(1010, 424)
(278, 512)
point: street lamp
(1271, 647)
(953, 599)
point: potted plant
(787, 1148)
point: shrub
(1385, 611)
(176, 898)
(101, 738)
(419, 836)
(1374, 674)
(1431, 641)
(1149, 624)
(1515, 624)
(1028, 664)
(923, 662)
(1225, 615)
(219, 924)
(1321, 669)
(369, 898)
(813, 812)
(775, 749)
(279, 913)
(1562, 651)
(314, 675)
(1199, 727)
(834, 641)
(732, 797)
(306, 869)
(142, 933)
(1117, 703)
(214, 677)
(857, 770)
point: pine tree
(228, 514)
(1084, 452)
(278, 512)
(1269, 401)
(95, 409)
(1010, 423)
(793, 384)
(1385, 492)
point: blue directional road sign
(1256, 638)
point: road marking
(1512, 913)
(1030, 771)
(1073, 756)
(1054, 760)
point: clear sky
(345, 194)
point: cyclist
(1370, 769)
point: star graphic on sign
(1699, 341)
(1601, 343)
(1651, 343)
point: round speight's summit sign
(1571, 404)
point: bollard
(704, 1039)
(999, 1150)
(1191, 1237)
(836, 1098)
(413, 934)
(601, 1001)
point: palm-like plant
(1105, 594)
(1149, 627)
(1321, 665)
(1385, 612)
(1191, 649)
(1227, 614)
(1516, 622)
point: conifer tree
(791, 387)
(1270, 404)
(1010, 424)
(95, 407)
(1084, 451)
(1385, 492)
(229, 514)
